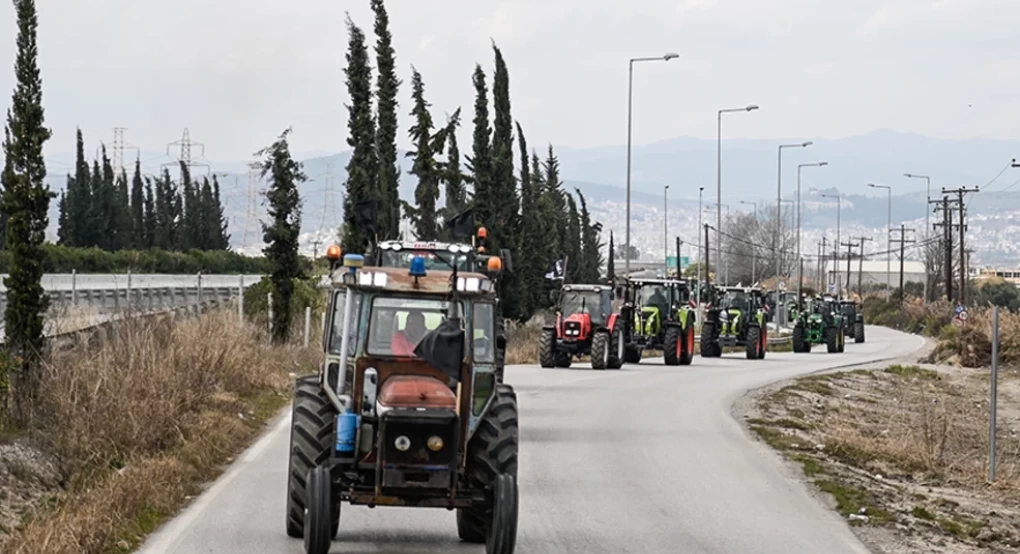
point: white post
(308, 323)
(240, 301)
(269, 307)
(129, 290)
(199, 281)
(74, 287)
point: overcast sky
(236, 76)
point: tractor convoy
(410, 408)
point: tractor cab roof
(642, 282)
(400, 280)
(587, 288)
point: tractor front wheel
(859, 332)
(753, 342)
(842, 340)
(799, 344)
(321, 512)
(709, 347)
(764, 343)
(547, 348)
(615, 358)
(672, 346)
(632, 354)
(492, 453)
(311, 440)
(600, 350)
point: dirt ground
(901, 451)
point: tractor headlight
(435, 443)
(402, 443)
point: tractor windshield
(849, 309)
(735, 299)
(820, 306)
(654, 294)
(434, 259)
(584, 302)
(398, 324)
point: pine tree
(281, 235)
(149, 217)
(362, 167)
(138, 208)
(426, 194)
(26, 200)
(387, 85)
(554, 207)
(480, 162)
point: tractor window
(736, 299)
(654, 295)
(443, 261)
(336, 335)
(583, 302)
(483, 333)
(399, 324)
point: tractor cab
(737, 318)
(584, 307)
(660, 317)
(407, 409)
(854, 319)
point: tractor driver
(658, 300)
(404, 342)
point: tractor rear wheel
(492, 452)
(859, 332)
(672, 345)
(709, 347)
(547, 348)
(600, 350)
(753, 342)
(687, 353)
(832, 339)
(615, 359)
(311, 440)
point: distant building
(1010, 275)
(875, 272)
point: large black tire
(311, 441)
(832, 339)
(859, 332)
(764, 343)
(319, 528)
(502, 537)
(600, 349)
(687, 348)
(842, 339)
(615, 360)
(672, 345)
(800, 346)
(709, 345)
(564, 359)
(753, 342)
(492, 451)
(632, 354)
(547, 348)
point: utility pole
(822, 263)
(184, 157)
(960, 192)
(118, 149)
(903, 246)
(679, 265)
(947, 240)
(849, 254)
(860, 268)
(708, 274)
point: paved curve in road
(644, 460)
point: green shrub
(62, 259)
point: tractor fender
(611, 322)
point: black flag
(462, 225)
(443, 348)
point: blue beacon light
(417, 267)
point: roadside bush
(306, 294)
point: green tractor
(855, 320)
(736, 317)
(821, 323)
(662, 317)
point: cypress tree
(98, 220)
(591, 245)
(149, 217)
(167, 207)
(123, 228)
(546, 251)
(504, 187)
(453, 175)
(80, 232)
(554, 208)
(361, 169)
(532, 267)
(281, 234)
(26, 200)
(573, 242)
(480, 162)
(208, 222)
(221, 239)
(426, 194)
(189, 229)
(137, 208)
(3, 214)
(62, 230)
(387, 85)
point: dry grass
(897, 435)
(141, 420)
(971, 345)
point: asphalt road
(645, 460)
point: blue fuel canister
(346, 432)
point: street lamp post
(630, 116)
(927, 225)
(700, 260)
(888, 235)
(800, 270)
(718, 177)
(839, 208)
(754, 251)
(665, 230)
(779, 206)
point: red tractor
(585, 325)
